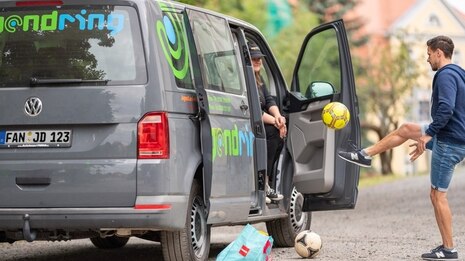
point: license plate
(35, 138)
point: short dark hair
(442, 43)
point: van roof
(231, 19)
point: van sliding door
(226, 133)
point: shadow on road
(140, 250)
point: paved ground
(392, 221)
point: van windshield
(80, 44)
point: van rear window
(73, 44)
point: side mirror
(319, 89)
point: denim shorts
(424, 127)
(444, 158)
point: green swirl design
(180, 49)
(16, 20)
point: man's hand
(415, 153)
(420, 147)
(422, 142)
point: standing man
(444, 136)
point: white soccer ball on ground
(307, 244)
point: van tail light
(153, 136)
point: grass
(368, 179)
(372, 180)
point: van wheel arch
(192, 242)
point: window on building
(457, 57)
(423, 111)
(434, 20)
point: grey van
(141, 118)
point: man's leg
(443, 217)
(444, 220)
(405, 132)
(445, 156)
(363, 157)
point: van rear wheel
(193, 242)
(111, 242)
(286, 229)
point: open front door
(323, 74)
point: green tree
(330, 10)
(388, 81)
(279, 16)
(286, 44)
(194, 2)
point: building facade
(418, 20)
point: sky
(459, 4)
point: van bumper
(171, 217)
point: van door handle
(244, 106)
(33, 181)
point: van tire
(112, 242)
(193, 242)
(286, 229)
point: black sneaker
(272, 195)
(356, 157)
(439, 253)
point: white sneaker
(273, 195)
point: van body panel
(172, 176)
(72, 105)
(110, 183)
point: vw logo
(33, 106)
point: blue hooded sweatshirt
(448, 105)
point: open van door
(323, 74)
(227, 138)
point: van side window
(320, 65)
(218, 58)
(266, 72)
(267, 76)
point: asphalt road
(392, 221)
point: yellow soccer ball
(335, 115)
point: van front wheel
(193, 242)
(286, 229)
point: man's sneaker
(437, 248)
(439, 253)
(356, 157)
(272, 195)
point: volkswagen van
(141, 118)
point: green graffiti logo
(113, 22)
(234, 142)
(171, 33)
